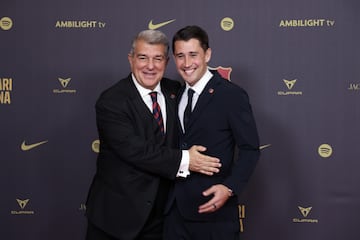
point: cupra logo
(290, 83)
(22, 203)
(153, 26)
(305, 211)
(27, 147)
(64, 81)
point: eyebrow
(181, 53)
(144, 55)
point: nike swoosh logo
(158, 25)
(264, 146)
(27, 147)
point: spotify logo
(325, 150)
(227, 24)
(96, 146)
(6, 23)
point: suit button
(184, 146)
(148, 203)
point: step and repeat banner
(299, 61)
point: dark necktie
(187, 111)
(157, 111)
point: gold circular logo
(325, 150)
(96, 146)
(227, 24)
(6, 23)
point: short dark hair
(189, 32)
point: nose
(187, 61)
(150, 64)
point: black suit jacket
(223, 122)
(133, 159)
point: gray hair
(151, 37)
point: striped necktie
(157, 111)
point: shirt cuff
(184, 165)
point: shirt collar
(144, 91)
(200, 85)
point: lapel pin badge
(211, 90)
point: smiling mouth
(189, 71)
(149, 74)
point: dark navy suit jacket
(223, 122)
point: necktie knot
(153, 96)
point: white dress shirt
(198, 88)
(183, 170)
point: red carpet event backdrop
(299, 61)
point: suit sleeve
(128, 137)
(244, 130)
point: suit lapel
(170, 99)
(205, 98)
(136, 101)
